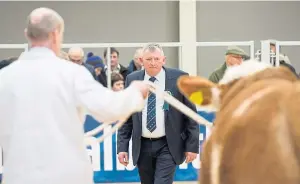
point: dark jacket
(91, 69)
(182, 133)
(102, 78)
(283, 63)
(123, 71)
(218, 74)
(7, 62)
(131, 67)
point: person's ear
(200, 91)
(164, 60)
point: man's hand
(123, 158)
(142, 87)
(189, 157)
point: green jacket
(218, 74)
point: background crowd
(96, 64)
(157, 145)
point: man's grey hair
(152, 47)
(41, 22)
(76, 50)
(138, 53)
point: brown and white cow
(256, 134)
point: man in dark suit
(162, 137)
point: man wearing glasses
(76, 55)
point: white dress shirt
(42, 100)
(160, 120)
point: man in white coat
(42, 100)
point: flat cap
(237, 51)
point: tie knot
(152, 79)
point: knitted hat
(95, 61)
(237, 51)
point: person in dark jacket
(6, 62)
(284, 62)
(135, 64)
(98, 65)
(115, 65)
(233, 56)
(76, 55)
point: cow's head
(203, 92)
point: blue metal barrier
(108, 170)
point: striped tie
(151, 110)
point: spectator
(284, 57)
(117, 82)
(98, 65)
(64, 55)
(7, 62)
(289, 66)
(115, 65)
(135, 64)
(233, 56)
(76, 55)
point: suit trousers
(156, 164)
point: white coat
(42, 103)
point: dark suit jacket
(182, 133)
(91, 69)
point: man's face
(98, 71)
(137, 61)
(137, 58)
(153, 62)
(232, 59)
(118, 86)
(76, 57)
(114, 59)
(273, 48)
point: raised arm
(106, 105)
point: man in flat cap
(233, 56)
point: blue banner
(107, 169)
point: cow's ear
(199, 90)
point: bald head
(41, 23)
(76, 54)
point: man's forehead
(235, 55)
(75, 53)
(155, 53)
